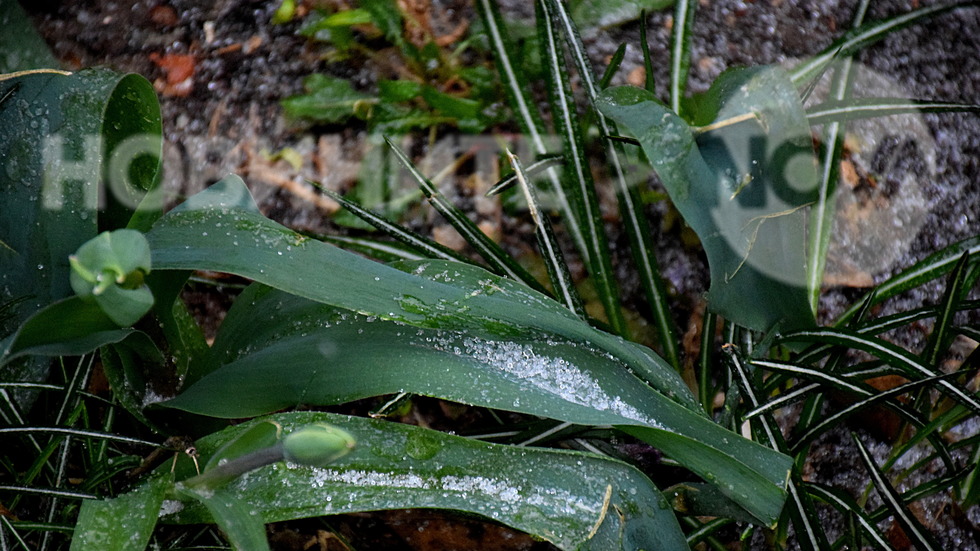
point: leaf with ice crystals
(573, 500)
(220, 230)
(277, 350)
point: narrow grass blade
(928, 269)
(48, 492)
(561, 280)
(518, 91)
(634, 220)
(865, 108)
(582, 192)
(680, 50)
(499, 261)
(920, 537)
(866, 35)
(886, 352)
(924, 430)
(783, 399)
(703, 532)
(706, 363)
(824, 209)
(970, 485)
(813, 375)
(942, 329)
(81, 433)
(844, 503)
(614, 63)
(882, 325)
(426, 246)
(532, 170)
(648, 82)
(808, 527)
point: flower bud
(317, 445)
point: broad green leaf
(574, 500)
(245, 531)
(741, 182)
(229, 235)
(699, 499)
(69, 327)
(132, 365)
(21, 47)
(71, 145)
(335, 356)
(123, 523)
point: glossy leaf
(241, 241)
(123, 523)
(741, 182)
(336, 357)
(21, 47)
(66, 147)
(574, 500)
(69, 327)
(238, 520)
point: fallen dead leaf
(179, 73)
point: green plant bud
(110, 268)
(317, 445)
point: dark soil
(222, 119)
